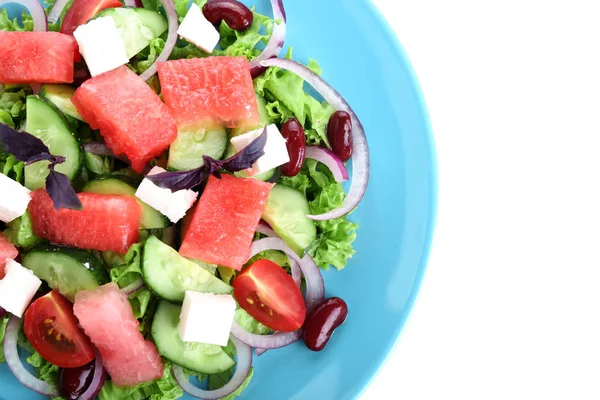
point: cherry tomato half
(52, 330)
(271, 296)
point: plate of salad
(207, 199)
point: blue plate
(362, 59)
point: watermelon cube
(105, 223)
(131, 117)
(36, 57)
(225, 221)
(7, 252)
(209, 92)
(106, 317)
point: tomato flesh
(81, 12)
(271, 296)
(52, 330)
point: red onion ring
(276, 40)
(35, 8)
(173, 21)
(266, 230)
(265, 342)
(360, 148)
(275, 243)
(133, 287)
(16, 366)
(260, 352)
(57, 10)
(97, 381)
(242, 369)
(331, 161)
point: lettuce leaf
(165, 388)
(12, 167)
(3, 323)
(333, 245)
(12, 102)
(20, 232)
(250, 324)
(44, 370)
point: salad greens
(165, 388)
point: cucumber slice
(124, 186)
(45, 123)
(169, 274)
(137, 26)
(187, 150)
(66, 269)
(207, 359)
(60, 96)
(286, 212)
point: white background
(510, 304)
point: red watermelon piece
(209, 92)
(106, 222)
(7, 252)
(131, 117)
(36, 57)
(106, 317)
(225, 221)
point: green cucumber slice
(124, 186)
(60, 96)
(169, 274)
(137, 26)
(66, 269)
(45, 123)
(286, 212)
(207, 359)
(187, 150)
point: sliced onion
(97, 381)
(133, 287)
(260, 352)
(35, 8)
(16, 366)
(360, 148)
(173, 21)
(267, 342)
(276, 40)
(327, 157)
(57, 10)
(266, 230)
(242, 369)
(275, 243)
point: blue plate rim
(434, 181)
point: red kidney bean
(237, 15)
(322, 321)
(74, 381)
(339, 133)
(293, 132)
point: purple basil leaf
(61, 192)
(248, 156)
(22, 145)
(179, 180)
(46, 157)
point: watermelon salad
(169, 193)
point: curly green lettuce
(333, 245)
(44, 370)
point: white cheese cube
(276, 153)
(196, 29)
(13, 200)
(17, 288)
(206, 318)
(172, 204)
(101, 45)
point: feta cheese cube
(14, 200)
(196, 29)
(206, 318)
(101, 45)
(172, 204)
(276, 153)
(17, 288)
